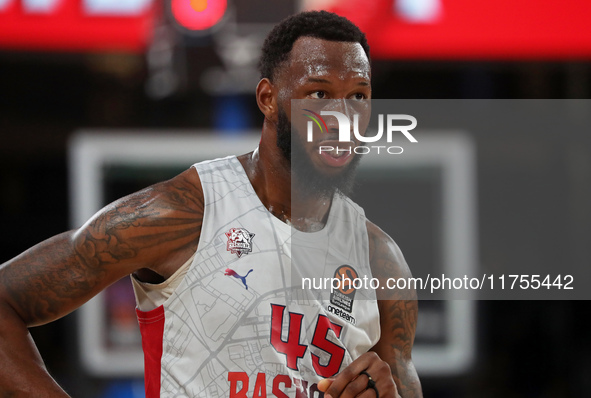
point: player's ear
(267, 99)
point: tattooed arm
(152, 232)
(389, 362)
(398, 312)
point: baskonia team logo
(239, 241)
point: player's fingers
(341, 382)
(324, 384)
(349, 374)
(355, 387)
(369, 393)
(382, 382)
(379, 380)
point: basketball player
(210, 256)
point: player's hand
(351, 382)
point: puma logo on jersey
(231, 272)
(239, 241)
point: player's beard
(305, 178)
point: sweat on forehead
(311, 56)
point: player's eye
(359, 96)
(318, 95)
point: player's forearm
(41, 284)
(407, 380)
(35, 288)
(55, 277)
(22, 372)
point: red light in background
(76, 25)
(185, 14)
(468, 29)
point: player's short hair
(320, 24)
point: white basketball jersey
(240, 324)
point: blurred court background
(67, 65)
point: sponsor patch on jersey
(239, 241)
(343, 296)
(341, 314)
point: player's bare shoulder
(386, 259)
(154, 228)
(385, 256)
(179, 197)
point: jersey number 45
(294, 350)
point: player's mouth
(335, 153)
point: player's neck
(270, 175)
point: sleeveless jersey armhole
(149, 296)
